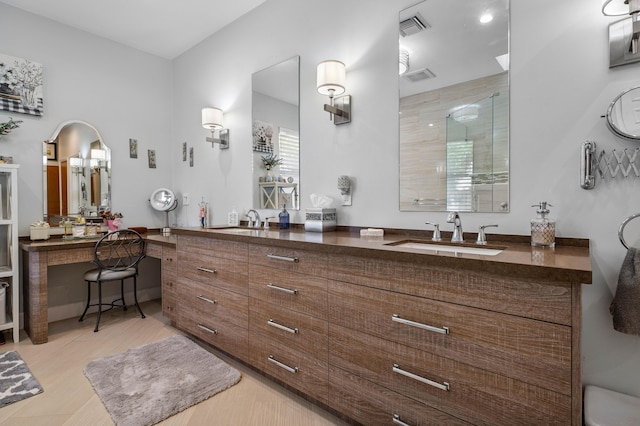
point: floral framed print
(51, 151)
(21, 85)
(262, 135)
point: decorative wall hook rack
(617, 163)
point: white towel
(625, 306)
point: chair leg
(124, 304)
(95, 330)
(135, 295)
(88, 301)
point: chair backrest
(119, 250)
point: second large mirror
(276, 140)
(454, 106)
(76, 173)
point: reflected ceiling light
(623, 35)
(403, 61)
(486, 18)
(331, 77)
(212, 119)
(465, 113)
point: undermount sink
(449, 248)
(236, 230)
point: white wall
(561, 85)
(125, 94)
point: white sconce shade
(76, 162)
(212, 118)
(331, 78)
(98, 154)
(619, 7)
(403, 62)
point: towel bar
(621, 228)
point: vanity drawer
(226, 249)
(153, 249)
(373, 405)
(169, 259)
(298, 369)
(169, 301)
(216, 271)
(224, 335)
(470, 393)
(294, 260)
(225, 306)
(533, 298)
(297, 331)
(290, 290)
(533, 351)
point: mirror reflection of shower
(476, 180)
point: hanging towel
(625, 306)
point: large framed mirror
(454, 106)
(276, 135)
(76, 174)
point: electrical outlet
(185, 199)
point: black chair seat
(117, 256)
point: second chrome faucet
(458, 235)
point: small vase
(268, 177)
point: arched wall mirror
(276, 136)
(454, 106)
(623, 114)
(76, 173)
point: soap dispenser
(232, 218)
(284, 217)
(543, 229)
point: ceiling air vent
(413, 25)
(419, 75)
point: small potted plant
(8, 126)
(269, 162)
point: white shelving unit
(9, 263)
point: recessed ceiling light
(486, 18)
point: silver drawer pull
(397, 421)
(441, 330)
(207, 329)
(272, 323)
(201, 297)
(285, 258)
(444, 385)
(284, 290)
(281, 365)
(211, 271)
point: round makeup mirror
(623, 114)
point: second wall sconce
(212, 120)
(331, 79)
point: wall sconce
(77, 165)
(344, 185)
(624, 34)
(212, 120)
(331, 79)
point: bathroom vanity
(384, 330)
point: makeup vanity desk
(37, 256)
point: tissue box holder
(38, 233)
(320, 220)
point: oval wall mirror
(76, 178)
(623, 114)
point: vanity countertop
(569, 261)
(57, 243)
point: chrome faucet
(458, 235)
(252, 223)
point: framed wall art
(262, 135)
(51, 151)
(21, 85)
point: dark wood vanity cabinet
(387, 341)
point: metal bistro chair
(117, 255)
